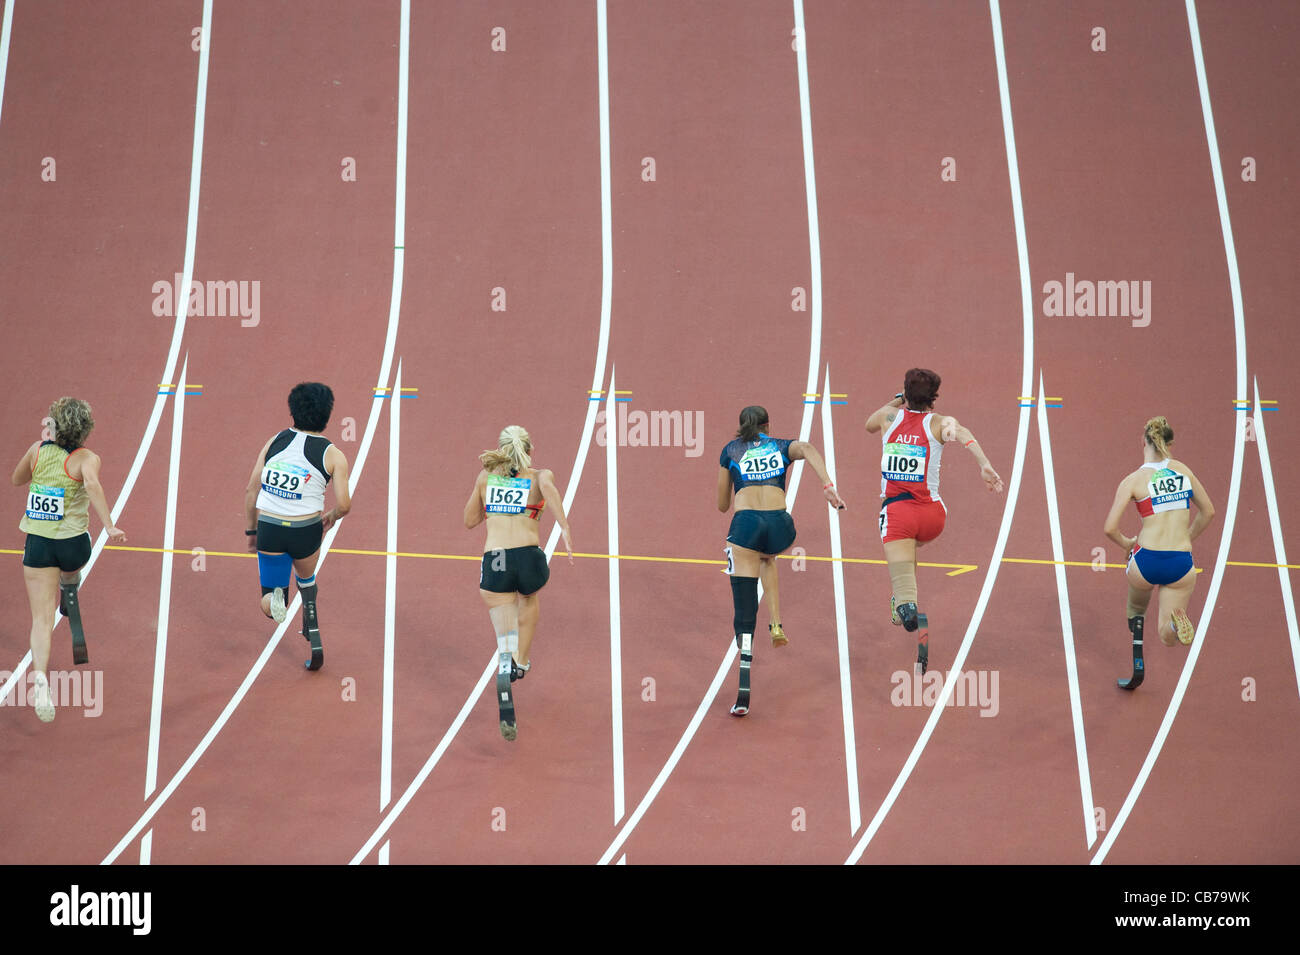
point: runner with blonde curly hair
(509, 495)
(62, 478)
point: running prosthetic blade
(923, 643)
(741, 706)
(70, 606)
(311, 631)
(1135, 626)
(505, 696)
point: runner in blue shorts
(754, 467)
(1163, 490)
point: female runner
(509, 495)
(913, 514)
(755, 466)
(1161, 555)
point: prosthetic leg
(744, 592)
(70, 607)
(912, 622)
(310, 627)
(505, 620)
(1135, 625)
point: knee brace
(744, 594)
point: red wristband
(969, 443)
(827, 487)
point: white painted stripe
(376, 406)
(5, 33)
(615, 603)
(805, 427)
(390, 592)
(1238, 452)
(841, 623)
(384, 854)
(606, 268)
(598, 378)
(1017, 470)
(622, 859)
(191, 234)
(146, 847)
(1067, 620)
(164, 600)
(1279, 548)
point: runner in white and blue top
(285, 516)
(754, 468)
(1163, 491)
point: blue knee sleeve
(274, 570)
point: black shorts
(275, 537)
(514, 570)
(768, 532)
(67, 554)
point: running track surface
(503, 191)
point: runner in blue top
(754, 466)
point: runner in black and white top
(285, 506)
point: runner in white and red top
(1163, 491)
(913, 438)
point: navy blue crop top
(760, 463)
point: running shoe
(1183, 627)
(44, 704)
(278, 610)
(779, 639)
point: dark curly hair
(310, 403)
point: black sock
(744, 593)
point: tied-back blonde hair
(1159, 435)
(72, 422)
(514, 451)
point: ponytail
(752, 422)
(514, 450)
(1159, 435)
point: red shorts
(921, 521)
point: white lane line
(805, 428)
(376, 406)
(1022, 433)
(182, 312)
(164, 603)
(598, 378)
(5, 33)
(615, 603)
(841, 623)
(1279, 548)
(1238, 452)
(1067, 621)
(390, 600)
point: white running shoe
(44, 704)
(278, 611)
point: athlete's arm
(551, 494)
(23, 473)
(802, 449)
(250, 495)
(1204, 508)
(724, 489)
(882, 415)
(95, 492)
(1111, 527)
(946, 428)
(474, 514)
(337, 466)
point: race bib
(286, 481)
(1169, 490)
(903, 462)
(44, 503)
(762, 463)
(506, 495)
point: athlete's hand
(568, 542)
(327, 520)
(991, 478)
(116, 534)
(833, 498)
